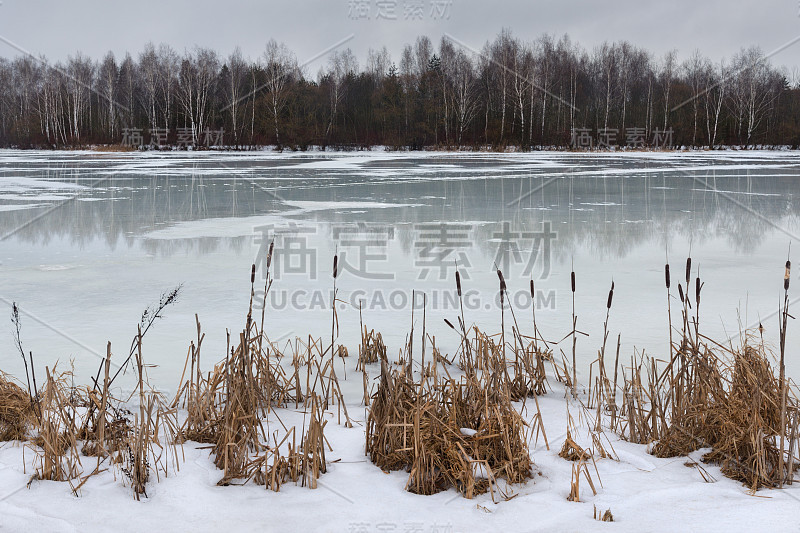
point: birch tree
(198, 74)
(280, 67)
(341, 66)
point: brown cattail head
(335, 265)
(449, 324)
(269, 253)
(666, 274)
(253, 274)
(610, 296)
(533, 292)
(697, 287)
(502, 281)
(458, 283)
(572, 279)
(787, 275)
(688, 270)
(680, 292)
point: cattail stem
(782, 379)
(574, 338)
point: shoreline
(411, 150)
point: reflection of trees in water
(196, 245)
(122, 209)
(607, 215)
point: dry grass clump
(572, 451)
(748, 422)
(232, 418)
(144, 451)
(371, 350)
(69, 422)
(16, 412)
(227, 408)
(739, 417)
(302, 464)
(578, 468)
(603, 516)
(713, 396)
(56, 445)
(520, 375)
(446, 434)
(240, 433)
(529, 377)
(239, 429)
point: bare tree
(502, 54)
(715, 83)
(755, 89)
(465, 100)
(281, 65)
(149, 82)
(695, 69)
(108, 78)
(667, 74)
(128, 88)
(341, 66)
(80, 75)
(198, 74)
(236, 71)
(408, 81)
(169, 69)
(378, 64)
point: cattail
(269, 254)
(502, 281)
(680, 292)
(697, 291)
(610, 296)
(533, 292)
(335, 265)
(449, 324)
(572, 278)
(786, 275)
(688, 270)
(666, 274)
(253, 274)
(458, 283)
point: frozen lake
(90, 239)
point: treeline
(510, 93)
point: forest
(510, 94)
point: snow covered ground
(644, 493)
(89, 239)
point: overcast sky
(718, 28)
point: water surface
(89, 240)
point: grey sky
(718, 28)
